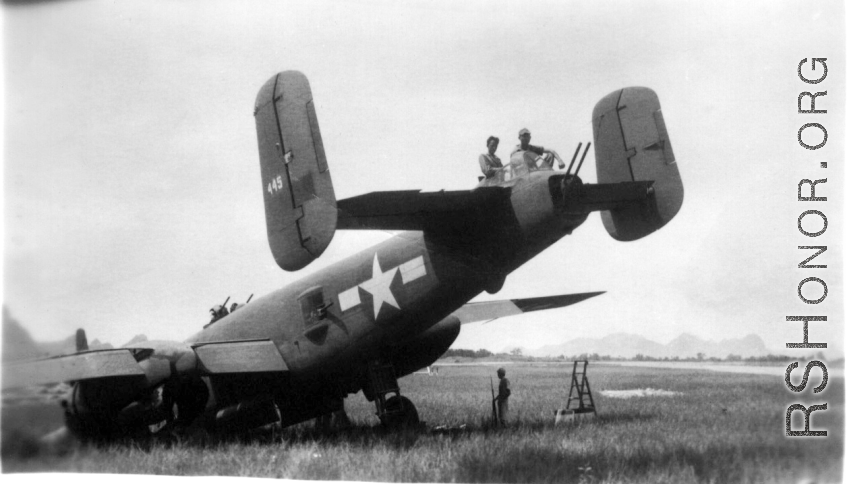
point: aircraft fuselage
(381, 301)
(383, 313)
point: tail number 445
(275, 185)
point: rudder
(632, 144)
(300, 208)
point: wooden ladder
(580, 387)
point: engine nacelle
(122, 407)
(105, 410)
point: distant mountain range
(628, 345)
(19, 345)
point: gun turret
(218, 312)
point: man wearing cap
(503, 395)
(523, 152)
(489, 163)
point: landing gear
(400, 413)
(395, 411)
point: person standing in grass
(503, 395)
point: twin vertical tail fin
(301, 214)
(631, 144)
(81, 340)
(300, 208)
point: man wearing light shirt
(527, 154)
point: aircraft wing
(489, 310)
(417, 210)
(239, 357)
(80, 366)
(150, 364)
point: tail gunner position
(365, 321)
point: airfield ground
(715, 427)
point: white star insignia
(379, 286)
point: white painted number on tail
(275, 185)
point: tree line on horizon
(483, 353)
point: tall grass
(719, 428)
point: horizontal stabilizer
(484, 311)
(80, 366)
(584, 198)
(416, 210)
(239, 357)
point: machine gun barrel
(249, 298)
(582, 159)
(573, 159)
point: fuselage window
(313, 307)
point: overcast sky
(133, 196)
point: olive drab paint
(300, 209)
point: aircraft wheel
(400, 412)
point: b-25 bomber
(386, 312)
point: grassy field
(719, 428)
